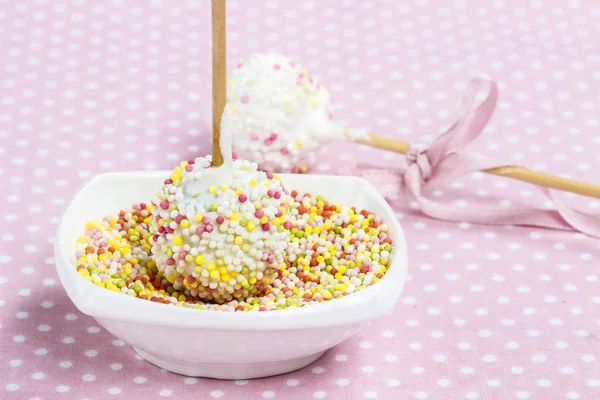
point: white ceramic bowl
(219, 344)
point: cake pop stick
(284, 118)
(514, 172)
(219, 71)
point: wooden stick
(518, 173)
(219, 71)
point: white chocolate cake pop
(220, 233)
(283, 114)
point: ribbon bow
(445, 158)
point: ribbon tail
(564, 218)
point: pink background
(488, 313)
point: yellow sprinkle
(198, 217)
(320, 259)
(253, 182)
(234, 217)
(185, 223)
(224, 187)
(215, 275)
(189, 258)
(276, 221)
(211, 267)
(238, 240)
(102, 257)
(267, 184)
(199, 260)
(134, 261)
(264, 219)
(298, 145)
(90, 225)
(233, 110)
(326, 294)
(252, 280)
(342, 269)
(225, 278)
(303, 168)
(250, 226)
(313, 102)
(239, 191)
(177, 240)
(212, 190)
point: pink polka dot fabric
(487, 313)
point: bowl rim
(374, 301)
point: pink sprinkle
(206, 220)
(164, 205)
(271, 259)
(170, 261)
(268, 142)
(240, 65)
(269, 174)
(191, 162)
(266, 227)
(161, 229)
(270, 193)
(200, 229)
(178, 219)
(277, 195)
(169, 229)
(295, 170)
(189, 168)
(273, 136)
(279, 213)
(243, 197)
(182, 254)
(254, 136)
(155, 238)
(191, 279)
(276, 66)
(259, 213)
(220, 219)
(143, 206)
(235, 155)
(209, 228)
(168, 181)
(244, 99)
(330, 115)
(287, 225)
(284, 151)
(180, 278)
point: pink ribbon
(445, 158)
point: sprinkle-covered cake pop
(220, 233)
(283, 113)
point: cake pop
(283, 113)
(220, 233)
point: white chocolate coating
(283, 115)
(220, 234)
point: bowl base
(229, 371)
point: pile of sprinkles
(331, 251)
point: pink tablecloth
(488, 313)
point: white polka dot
(544, 382)
(19, 339)
(341, 357)
(343, 382)
(165, 392)
(116, 366)
(522, 395)
(62, 389)
(365, 345)
(66, 364)
(16, 363)
(41, 352)
(370, 394)
(38, 375)
(319, 394)
(268, 394)
(12, 387)
(71, 340)
(91, 353)
(317, 370)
